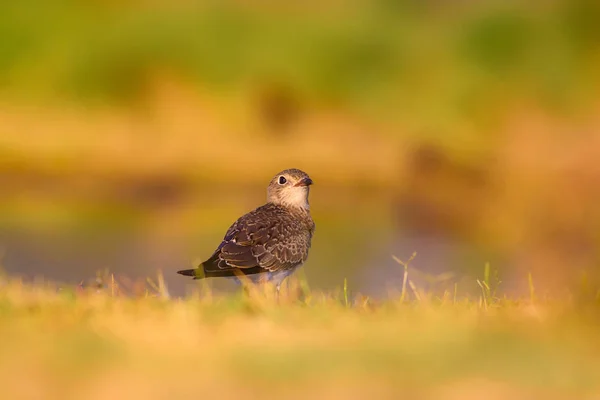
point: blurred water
(358, 233)
(352, 232)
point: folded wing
(266, 239)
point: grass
(109, 342)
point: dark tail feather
(197, 273)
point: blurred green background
(133, 133)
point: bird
(269, 243)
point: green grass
(75, 343)
(389, 57)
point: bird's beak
(304, 182)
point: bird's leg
(287, 286)
(277, 292)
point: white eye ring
(282, 180)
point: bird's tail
(197, 273)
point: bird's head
(290, 188)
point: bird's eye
(282, 180)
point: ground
(75, 343)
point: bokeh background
(133, 133)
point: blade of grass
(163, 290)
(112, 285)
(484, 294)
(531, 288)
(455, 293)
(415, 290)
(405, 278)
(346, 292)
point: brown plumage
(270, 242)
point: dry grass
(74, 343)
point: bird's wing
(266, 238)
